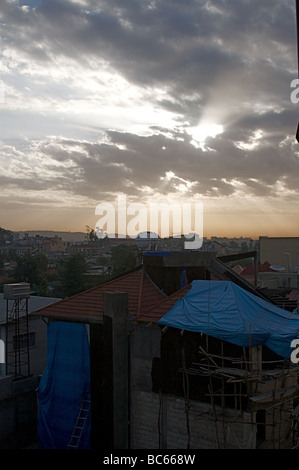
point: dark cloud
(231, 60)
(130, 162)
(183, 44)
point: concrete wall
(37, 353)
(160, 421)
(144, 346)
(276, 280)
(144, 405)
(204, 431)
(144, 420)
(18, 412)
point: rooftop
(87, 306)
(146, 301)
(262, 268)
(156, 312)
(34, 303)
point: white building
(37, 334)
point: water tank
(20, 290)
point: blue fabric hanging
(63, 385)
(183, 277)
(228, 312)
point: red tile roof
(294, 294)
(262, 268)
(153, 314)
(88, 305)
(238, 269)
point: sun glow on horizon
(201, 132)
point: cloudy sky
(157, 100)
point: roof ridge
(155, 285)
(89, 305)
(139, 268)
(167, 298)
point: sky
(154, 100)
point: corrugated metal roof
(34, 303)
(88, 305)
(153, 314)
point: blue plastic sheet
(183, 277)
(226, 311)
(63, 386)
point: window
(23, 341)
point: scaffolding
(247, 392)
(17, 342)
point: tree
(73, 273)
(123, 258)
(233, 245)
(31, 268)
(244, 247)
(91, 234)
(2, 259)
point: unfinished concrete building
(156, 386)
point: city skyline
(160, 100)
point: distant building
(37, 333)
(214, 246)
(53, 244)
(282, 251)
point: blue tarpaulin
(183, 277)
(226, 311)
(63, 386)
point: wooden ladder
(80, 424)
